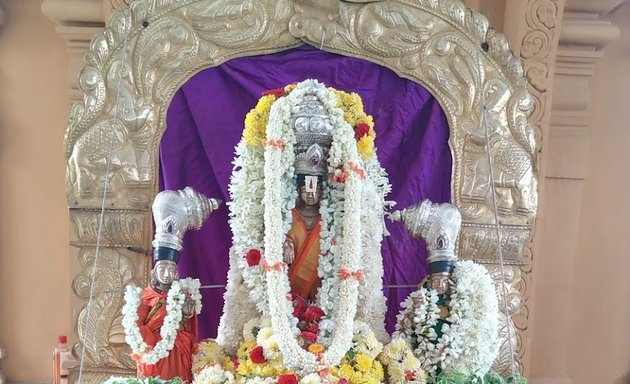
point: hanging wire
(484, 124)
(99, 232)
(321, 45)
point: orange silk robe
(179, 361)
(303, 272)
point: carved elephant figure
(493, 141)
(512, 174)
(103, 143)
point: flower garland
(468, 341)
(263, 173)
(168, 332)
(258, 359)
(277, 163)
(141, 380)
(213, 374)
(402, 366)
(191, 287)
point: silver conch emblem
(437, 224)
(175, 212)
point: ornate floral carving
(99, 322)
(537, 45)
(119, 4)
(480, 243)
(120, 228)
(149, 49)
(315, 20)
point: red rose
(313, 328)
(410, 375)
(299, 307)
(277, 92)
(361, 130)
(257, 356)
(235, 362)
(253, 257)
(309, 336)
(287, 379)
(313, 313)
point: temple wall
(580, 310)
(35, 271)
(581, 244)
(600, 332)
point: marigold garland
(351, 104)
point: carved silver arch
(150, 49)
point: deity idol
(451, 321)
(160, 321)
(307, 214)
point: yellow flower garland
(359, 369)
(256, 120)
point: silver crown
(437, 224)
(313, 134)
(175, 212)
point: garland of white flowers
(347, 211)
(277, 162)
(471, 342)
(191, 287)
(214, 374)
(168, 332)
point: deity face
(165, 271)
(440, 282)
(311, 198)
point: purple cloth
(205, 122)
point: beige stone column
(2, 353)
(77, 22)
(583, 35)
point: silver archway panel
(148, 51)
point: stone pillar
(2, 353)
(583, 35)
(77, 22)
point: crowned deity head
(313, 133)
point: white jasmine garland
(214, 374)
(311, 378)
(168, 332)
(344, 149)
(191, 287)
(365, 341)
(470, 341)
(259, 380)
(263, 195)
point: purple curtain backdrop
(205, 122)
